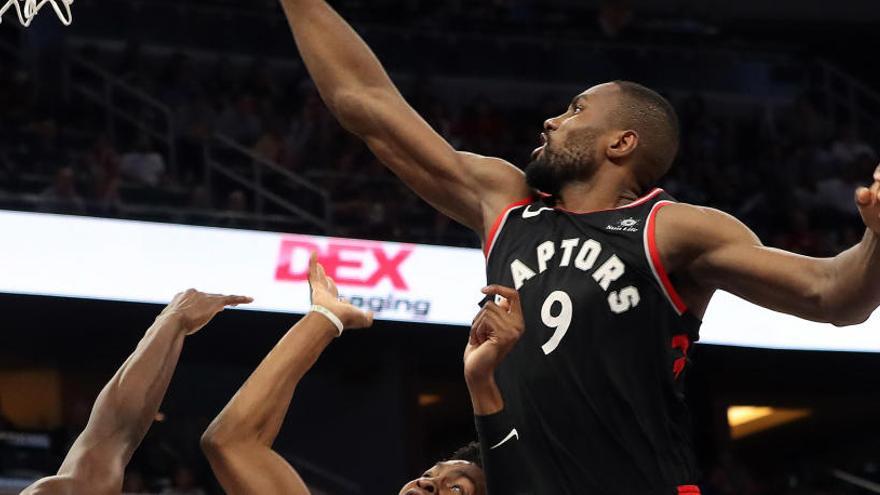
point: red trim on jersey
(689, 490)
(499, 222)
(642, 200)
(657, 263)
(683, 343)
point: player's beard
(553, 169)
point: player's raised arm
(238, 443)
(127, 405)
(469, 188)
(495, 331)
(719, 252)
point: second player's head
(621, 125)
(462, 474)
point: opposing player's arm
(469, 188)
(238, 443)
(127, 405)
(716, 251)
(494, 333)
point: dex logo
(351, 263)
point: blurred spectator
(235, 212)
(134, 483)
(615, 16)
(5, 423)
(236, 202)
(184, 483)
(270, 145)
(200, 198)
(104, 165)
(849, 147)
(730, 477)
(143, 163)
(800, 236)
(240, 120)
(61, 196)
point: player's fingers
(313, 265)
(479, 319)
(331, 285)
(512, 296)
(480, 331)
(476, 316)
(504, 304)
(500, 290)
(236, 300)
(877, 174)
(321, 273)
(500, 330)
(472, 337)
(863, 196)
(493, 308)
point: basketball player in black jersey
(239, 441)
(127, 405)
(614, 276)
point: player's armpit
(716, 251)
(249, 468)
(469, 188)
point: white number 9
(560, 322)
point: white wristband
(329, 315)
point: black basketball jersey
(594, 387)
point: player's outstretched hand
(324, 293)
(494, 332)
(195, 309)
(868, 200)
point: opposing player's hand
(868, 200)
(495, 331)
(195, 309)
(324, 293)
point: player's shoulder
(691, 212)
(698, 225)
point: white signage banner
(121, 260)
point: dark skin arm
(238, 443)
(706, 250)
(125, 408)
(471, 189)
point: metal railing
(122, 102)
(272, 184)
(847, 96)
(857, 481)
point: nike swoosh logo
(528, 213)
(512, 434)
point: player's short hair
(653, 117)
(469, 453)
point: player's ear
(622, 144)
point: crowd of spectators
(788, 170)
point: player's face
(572, 142)
(448, 478)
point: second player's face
(448, 478)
